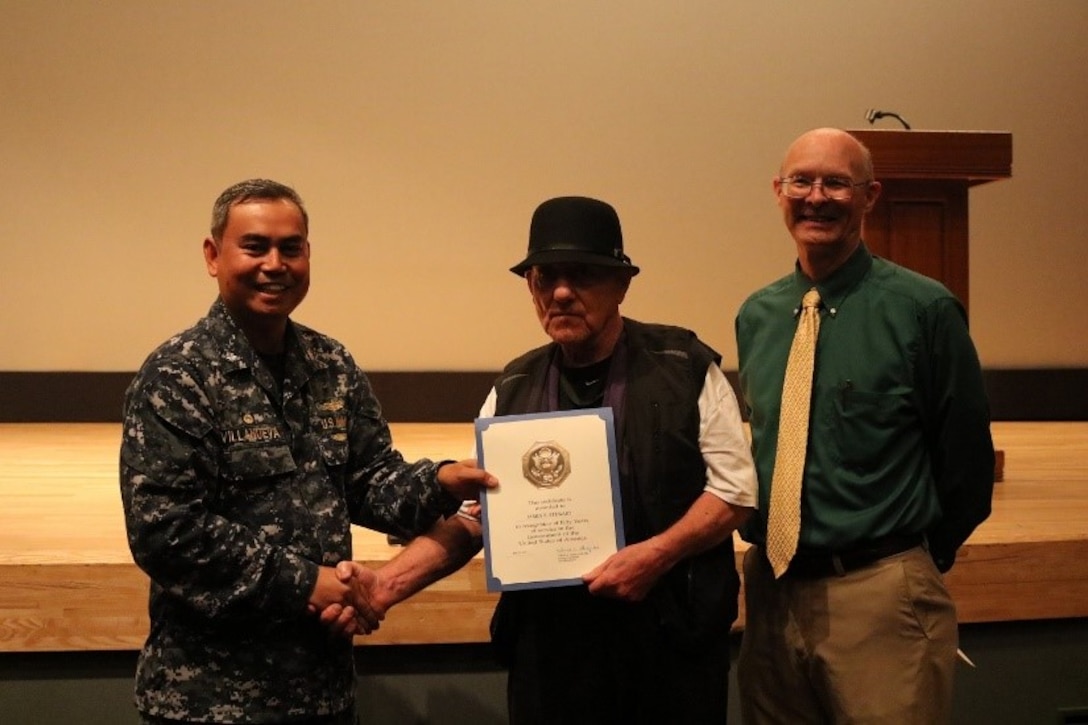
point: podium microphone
(872, 115)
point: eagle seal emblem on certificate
(546, 465)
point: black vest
(662, 469)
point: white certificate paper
(556, 513)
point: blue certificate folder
(557, 512)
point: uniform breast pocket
(870, 426)
(254, 488)
(334, 449)
(257, 466)
(331, 428)
(256, 463)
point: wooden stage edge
(67, 581)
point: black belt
(809, 563)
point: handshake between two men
(350, 599)
(346, 599)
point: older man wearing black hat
(645, 638)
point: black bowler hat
(575, 229)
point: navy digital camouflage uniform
(234, 492)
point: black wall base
(1059, 394)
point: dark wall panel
(449, 397)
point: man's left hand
(630, 573)
(464, 479)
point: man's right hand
(365, 592)
(343, 600)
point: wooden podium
(920, 220)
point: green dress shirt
(899, 433)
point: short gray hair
(248, 190)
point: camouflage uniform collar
(236, 353)
(234, 349)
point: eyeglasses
(833, 187)
(547, 277)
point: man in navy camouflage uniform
(250, 445)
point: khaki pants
(876, 645)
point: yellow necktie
(784, 518)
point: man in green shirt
(897, 474)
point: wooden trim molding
(1034, 394)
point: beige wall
(422, 135)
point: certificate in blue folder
(557, 512)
